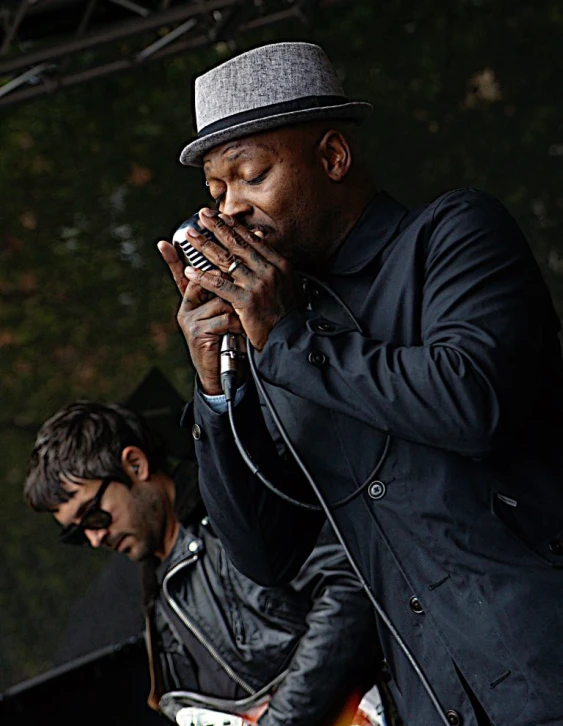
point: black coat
(443, 413)
(258, 636)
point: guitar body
(197, 716)
(191, 709)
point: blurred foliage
(466, 93)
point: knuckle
(218, 282)
(229, 235)
(193, 330)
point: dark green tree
(465, 94)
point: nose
(235, 204)
(96, 537)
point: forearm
(463, 371)
(428, 394)
(335, 660)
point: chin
(133, 554)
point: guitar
(190, 709)
(192, 716)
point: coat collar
(188, 545)
(371, 232)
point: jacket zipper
(195, 631)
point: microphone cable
(323, 504)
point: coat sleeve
(473, 376)
(251, 521)
(336, 659)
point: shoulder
(468, 218)
(470, 203)
(464, 195)
(458, 213)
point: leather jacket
(313, 642)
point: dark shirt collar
(369, 235)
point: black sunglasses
(93, 518)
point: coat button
(317, 358)
(323, 327)
(377, 489)
(196, 432)
(556, 546)
(454, 718)
(416, 606)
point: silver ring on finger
(233, 266)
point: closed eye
(257, 179)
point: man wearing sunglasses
(292, 654)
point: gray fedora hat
(270, 86)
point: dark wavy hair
(85, 440)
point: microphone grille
(194, 257)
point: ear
(135, 463)
(336, 154)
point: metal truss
(49, 45)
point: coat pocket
(539, 530)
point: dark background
(466, 93)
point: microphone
(232, 348)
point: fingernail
(190, 272)
(227, 219)
(192, 232)
(207, 212)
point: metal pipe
(166, 40)
(23, 78)
(116, 32)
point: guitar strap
(150, 593)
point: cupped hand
(203, 320)
(262, 288)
